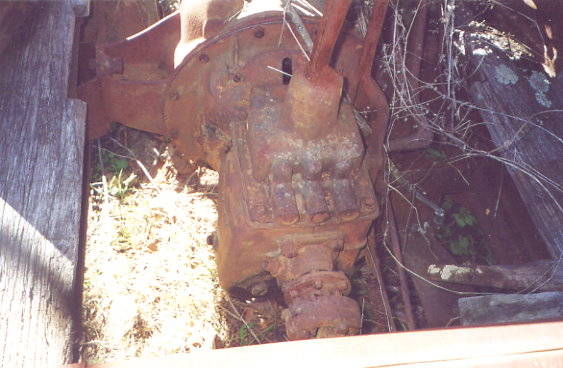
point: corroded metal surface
(296, 179)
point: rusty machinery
(282, 129)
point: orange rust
(297, 198)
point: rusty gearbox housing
(296, 194)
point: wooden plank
(510, 308)
(522, 109)
(541, 275)
(41, 159)
(515, 346)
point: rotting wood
(541, 275)
(522, 111)
(41, 150)
(511, 308)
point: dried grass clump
(151, 286)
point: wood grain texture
(511, 308)
(41, 159)
(523, 111)
(529, 277)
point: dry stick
(279, 71)
(298, 43)
(396, 247)
(296, 19)
(497, 204)
(242, 319)
(302, 10)
(310, 6)
(104, 179)
(362, 315)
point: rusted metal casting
(297, 198)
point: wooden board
(514, 346)
(510, 308)
(528, 277)
(41, 160)
(522, 109)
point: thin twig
(104, 178)
(240, 318)
(376, 269)
(139, 163)
(310, 6)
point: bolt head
(204, 58)
(259, 32)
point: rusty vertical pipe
(371, 40)
(331, 24)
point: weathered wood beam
(41, 160)
(510, 308)
(523, 111)
(542, 275)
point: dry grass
(151, 286)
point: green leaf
(243, 334)
(459, 219)
(436, 155)
(448, 204)
(462, 246)
(119, 164)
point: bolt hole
(204, 58)
(287, 69)
(237, 78)
(259, 33)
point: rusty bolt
(259, 33)
(204, 58)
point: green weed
(244, 335)
(435, 154)
(461, 235)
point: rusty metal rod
(331, 24)
(422, 136)
(371, 40)
(403, 280)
